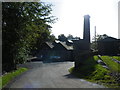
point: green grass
(90, 69)
(114, 67)
(0, 82)
(94, 72)
(9, 76)
(86, 68)
(117, 57)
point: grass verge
(113, 66)
(9, 76)
(116, 57)
(92, 71)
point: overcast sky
(103, 13)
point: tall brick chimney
(86, 35)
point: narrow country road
(50, 75)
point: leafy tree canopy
(23, 25)
(62, 37)
(97, 38)
(100, 37)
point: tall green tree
(52, 38)
(62, 37)
(23, 25)
(97, 38)
(70, 37)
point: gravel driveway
(50, 75)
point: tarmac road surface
(49, 75)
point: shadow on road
(52, 61)
(70, 76)
(48, 60)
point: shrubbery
(25, 26)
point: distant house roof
(108, 39)
(49, 44)
(66, 46)
(56, 42)
(70, 41)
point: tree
(70, 37)
(97, 38)
(52, 38)
(62, 37)
(23, 23)
(77, 38)
(100, 37)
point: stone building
(109, 46)
(56, 50)
(69, 50)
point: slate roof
(70, 41)
(109, 39)
(56, 41)
(66, 46)
(50, 44)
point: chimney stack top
(87, 16)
